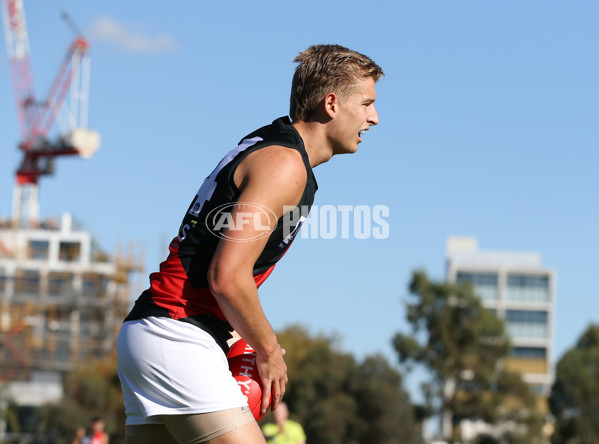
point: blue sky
(489, 128)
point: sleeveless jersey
(180, 289)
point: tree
(385, 411)
(335, 398)
(90, 391)
(463, 346)
(574, 399)
(338, 400)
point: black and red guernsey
(180, 289)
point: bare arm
(79, 436)
(271, 177)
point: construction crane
(37, 118)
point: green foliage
(383, 408)
(463, 346)
(574, 399)
(91, 391)
(335, 398)
(461, 333)
(338, 400)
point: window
(527, 323)
(59, 283)
(484, 284)
(530, 352)
(538, 389)
(3, 280)
(38, 249)
(69, 251)
(27, 281)
(95, 285)
(527, 288)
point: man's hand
(273, 372)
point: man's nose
(373, 118)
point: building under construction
(62, 298)
(62, 301)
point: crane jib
(38, 118)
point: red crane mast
(36, 119)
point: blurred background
(485, 159)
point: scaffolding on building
(62, 300)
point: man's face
(98, 426)
(355, 115)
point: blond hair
(323, 69)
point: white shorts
(170, 367)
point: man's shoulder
(280, 131)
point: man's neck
(315, 141)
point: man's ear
(331, 105)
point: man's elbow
(216, 281)
(222, 281)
